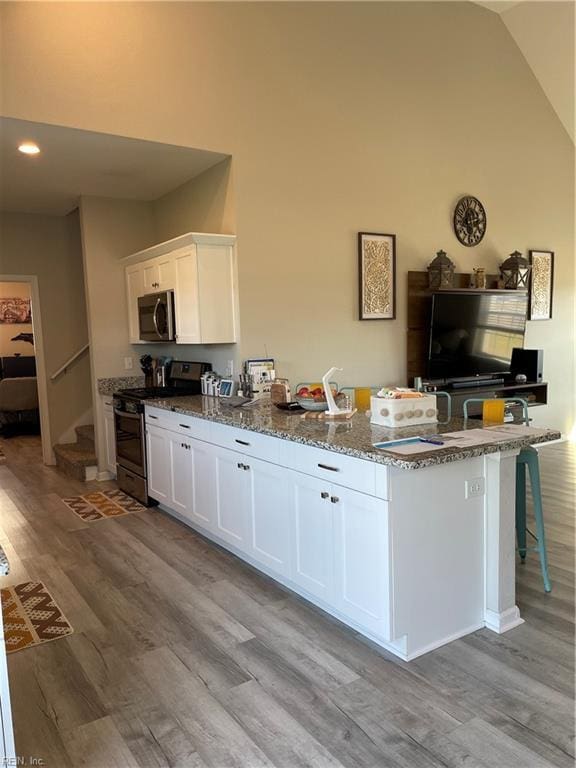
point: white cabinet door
(312, 535)
(186, 296)
(203, 506)
(181, 473)
(362, 561)
(232, 498)
(216, 294)
(159, 274)
(134, 289)
(269, 509)
(158, 461)
(109, 434)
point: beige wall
(340, 118)
(204, 204)
(8, 348)
(49, 247)
(544, 32)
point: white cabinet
(362, 559)
(269, 515)
(186, 292)
(232, 495)
(312, 536)
(134, 289)
(159, 274)
(192, 488)
(109, 433)
(201, 270)
(158, 462)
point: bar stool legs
(528, 457)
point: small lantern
(515, 271)
(441, 272)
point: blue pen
(431, 440)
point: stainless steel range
(130, 429)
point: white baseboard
(502, 622)
(105, 475)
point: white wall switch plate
(474, 487)
(128, 363)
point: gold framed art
(377, 276)
(541, 285)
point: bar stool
(527, 458)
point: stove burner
(151, 393)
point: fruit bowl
(309, 404)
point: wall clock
(469, 220)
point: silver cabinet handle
(246, 466)
(152, 417)
(329, 468)
(324, 495)
(184, 426)
(241, 442)
(240, 465)
(334, 499)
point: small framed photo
(377, 275)
(541, 285)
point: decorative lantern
(441, 272)
(515, 271)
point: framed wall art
(377, 275)
(541, 285)
(15, 311)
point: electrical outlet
(474, 487)
(128, 362)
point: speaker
(530, 362)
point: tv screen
(473, 334)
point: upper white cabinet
(201, 270)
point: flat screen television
(474, 333)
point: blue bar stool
(527, 458)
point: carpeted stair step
(75, 461)
(85, 437)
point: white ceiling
(74, 163)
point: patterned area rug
(102, 504)
(31, 616)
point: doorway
(22, 352)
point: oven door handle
(155, 317)
(126, 415)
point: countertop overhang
(354, 437)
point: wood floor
(184, 656)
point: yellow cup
(362, 398)
(493, 411)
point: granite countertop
(354, 437)
(109, 386)
(4, 564)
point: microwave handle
(155, 318)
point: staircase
(78, 460)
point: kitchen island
(411, 550)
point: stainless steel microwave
(156, 316)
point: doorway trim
(41, 377)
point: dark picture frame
(541, 285)
(377, 276)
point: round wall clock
(469, 220)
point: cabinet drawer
(358, 474)
(251, 443)
(176, 422)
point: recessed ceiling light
(29, 148)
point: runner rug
(31, 616)
(102, 504)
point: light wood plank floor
(184, 656)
